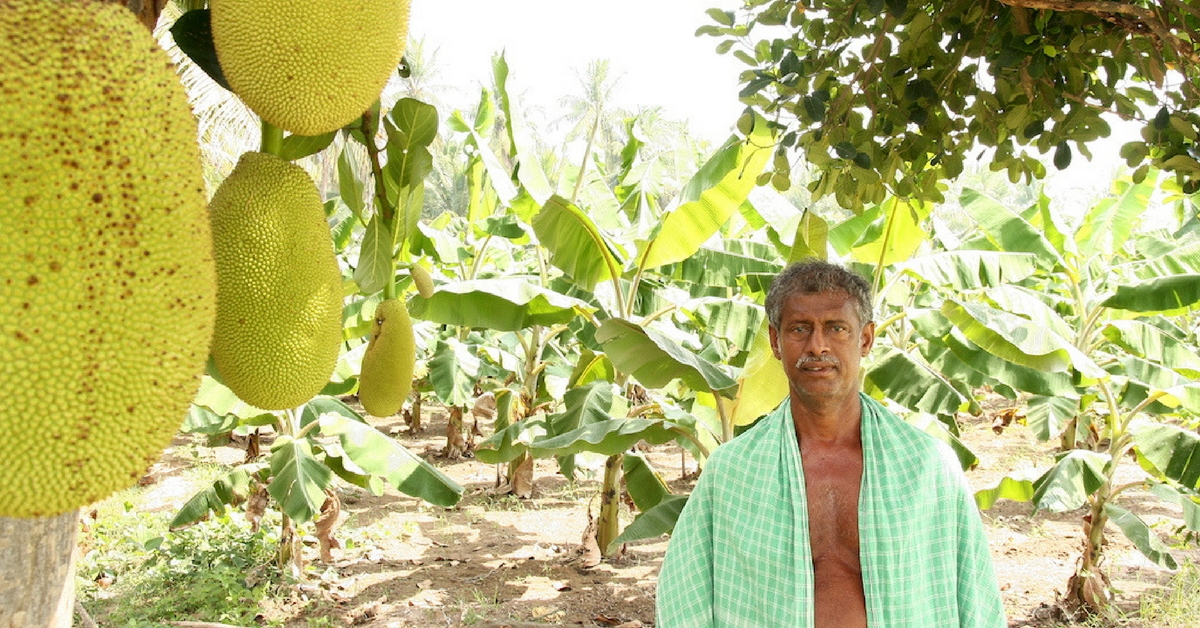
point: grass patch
(135, 573)
(1177, 605)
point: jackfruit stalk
(106, 270)
(309, 67)
(385, 378)
(279, 288)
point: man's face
(821, 342)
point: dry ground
(494, 560)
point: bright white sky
(650, 45)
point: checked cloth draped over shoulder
(740, 557)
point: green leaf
(499, 304)
(709, 267)
(575, 243)
(511, 442)
(375, 263)
(1141, 536)
(417, 120)
(322, 405)
(528, 166)
(709, 199)
(655, 360)
(341, 465)
(1173, 451)
(227, 490)
(591, 367)
(1068, 483)
(993, 367)
(762, 384)
(504, 226)
(913, 385)
(585, 405)
(1006, 230)
(645, 486)
(970, 270)
(300, 146)
(1017, 339)
(1048, 416)
(1151, 343)
(350, 188)
(901, 232)
(298, 479)
(452, 372)
(202, 420)
(734, 320)
(1163, 294)
(193, 34)
(811, 238)
(1107, 225)
(931, 425)
(653, 523)
(379, 455)
(1009, 487)
(610, 437)
(1175, 390)
(1031, 304)
(1188, 502)
(407, 166)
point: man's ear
(774, 334)
(868, 338)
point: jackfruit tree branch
(370, 127)
(1111, 9)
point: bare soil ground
(495, 560)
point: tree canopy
(892, 96)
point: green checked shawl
(739, 556)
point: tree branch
(1108, 9)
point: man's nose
(818, 342)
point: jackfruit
(107, 284)
(279, 288)
(385, 378)
(422, 279)
(309, 67)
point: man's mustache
(829, 359)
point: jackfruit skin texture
(385, 378)
(279, 288)
(107, 285)
(309, 67)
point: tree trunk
(37, 571)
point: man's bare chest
(833, 485)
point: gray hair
(815, 277)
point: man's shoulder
(911, 443)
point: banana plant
(594, 263)
(1095, 327)
(313, 444)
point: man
(830, 512)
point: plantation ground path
(495, 560)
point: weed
(137, 573)
(1176, 605)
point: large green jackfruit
(106, 271)
(309, 67)
(385, 378)
(279, 289)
